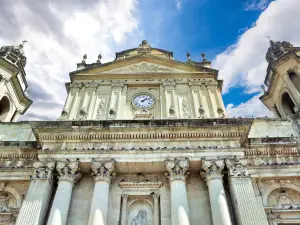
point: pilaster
(247, 209)
(35, 206)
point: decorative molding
(278, 160)
(212, 169)
(69, 171)
(185, 107)
(104, 171)
(91, 136)
(177, 169)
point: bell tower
(282, 95)
(13, 97)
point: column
(156, 208)
(172, 109)
(177, 173)
(293, 90)
(104, 173)
(247, 209)
(34, 208)
(212, 173)
(69, 174)
(124, 209)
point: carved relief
(140, 218)
(143, 67)
(100, 110)
(144, 48)
(184, 107)
(140, 182)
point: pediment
(144, 67)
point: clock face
(143, 101)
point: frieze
(279, 160)
(267, 151)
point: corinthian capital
(212, 169)
(177, 169)
(104, 171)
(68, 171)
(237, 167)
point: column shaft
(99, 207)
(60, 206)
(218, 202)
(179, 203)
(35, 206)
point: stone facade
(111, 159)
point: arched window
(4, 108)
(288, 104)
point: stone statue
(171, 111)
(4, 198)
(140, 218)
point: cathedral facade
(145, 140)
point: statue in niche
(140, 218)
(4, 198)
(171, 111)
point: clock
(143, 101)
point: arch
(273, 187)
(4, 108)
(287, 103)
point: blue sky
(232, 33)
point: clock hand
(144, 99)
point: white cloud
(256, 4)
(178, 4)
(252, 108)
(58, 34)
(243, 64)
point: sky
(232, 34)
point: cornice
(125, 136)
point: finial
(203, 57)
(84, 58)
(188, 55)
(271, 41)
(22, 44)
(99, 58)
